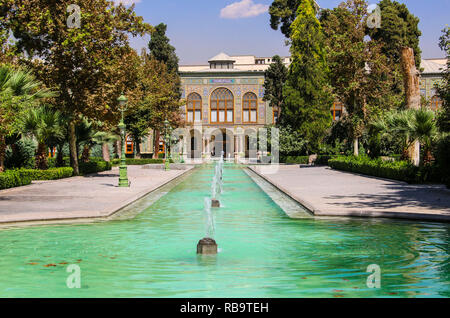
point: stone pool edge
(362, 214)
(94, 216)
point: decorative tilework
(249, 81)
(261, 92)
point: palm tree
(104, 138)
(19, 89)
(410, 125)
(45, 125)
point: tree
(444, 88)
(410, 125)
(154, 99)
(161, 50)
(275, 78)
(86, 63)
(19, 90)
(104, 138)
(399, 29)
(400, 34)
(44, 124)
(283, 13)
(359, 72)
(307, 104)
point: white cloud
(126, 2)
(243, 9)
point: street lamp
(167, 139)
(123, 177)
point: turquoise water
(263, 253)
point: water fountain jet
(208, 245)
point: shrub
(443, 159)
(20, 154)
(397, 170)
(323, 159)
(94, 166)
(295, 159)
(49, 174)
(135, 162)
(13, 178)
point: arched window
(337, 110)
(222, 106)
(435, 103)
(194, 108)
(249, 108)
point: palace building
(225, 106)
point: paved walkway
(334, 193)
(80, 197)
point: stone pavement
(78, 198)
(327, 192)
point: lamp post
(123, 177)
(167, 139)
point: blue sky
(199, 29)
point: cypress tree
(161, 50)
(307, 103)
(275, 78)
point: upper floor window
(249, 108)
(222, 106)
(194, 108)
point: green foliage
(360, 76)
(294, 159)
(444, 88)
(307, 104)
(160, 48)
(407, 126)
(283, 13)
(49, 174)
(132, 161)
(20, 154)
(443, 159)
(399, 28)
(275, 77)
(397, 170)
(94, 166)
(12, 178)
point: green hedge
(294, 159)
(49, 174)
(136, 162)
(321, 159)
(12, 178)
(397, 170)
(133, 161)
(94, 166)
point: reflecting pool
(263, 252)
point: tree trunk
(156, 144)
(59, 156)
(2, 153)
(412, 92)
(119, 148)
(86, 153)
(41, 156)
(73, 148)
(105, 152)
(137, 150)
(355, 147)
